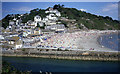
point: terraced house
(14, 42)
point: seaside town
(61, 38)
(49, 33)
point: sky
(60, 0)
(97, 8)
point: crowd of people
(66, 40)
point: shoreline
(92, 40)
(105, 34)
(101, 35)
(99, 53)
(90, 56)
(64, 58)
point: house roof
(37, 29)
(15, 38)
(36, 16)
(18, 42)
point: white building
(52, 17)
(1, 37)
(45, 20)
(58, 27)
(14, 19)
(37, 31)
(50, 23)
(11, 22)
(18, 22)
(25, 34)
(58, 14)
(37, 20)
(31, 24)
(51, 10)
(15, 42)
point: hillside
(91, 21)
(83, 19)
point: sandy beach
(81, 40)
(80, 45)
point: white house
(14, 19)
(44, 20)
(18, 22)
(37, 20)
(28, 31)
(15, 42)
(56, 27)
(52, 17)
(11, 25)
(58, 14)
(11, 22)
(37, 31)
(31, 24)
(51, 10)
(50, 22)
(25, 34)
(1, 37)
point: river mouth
(110, 41)
(57, 65)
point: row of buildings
(17, 34)
(47, 22)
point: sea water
(55, 65)
(110, 41)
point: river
(56, 65)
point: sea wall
(72, 55)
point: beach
(81, 45)
(81, 40)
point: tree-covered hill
(89, 20)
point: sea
(111, 41)
(57, 65)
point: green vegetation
(25, 17)
(90, 21)
(33, 13)
(65, 23)
(23, 49)
(59, 49)
(38, 25)
(66, 50)
(8, 69)
(0, 23)
(42, 27)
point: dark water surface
(110, 41)
(55, 65)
